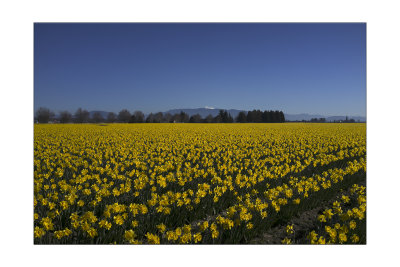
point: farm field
(200, 183)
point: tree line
(322, 120)
(44, 115)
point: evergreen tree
(184, 117)
(250, 116)
(241, 117)
(281, 117)
(229, 119)
(276, 116)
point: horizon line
(207, 108)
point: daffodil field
(337, 225)
(198, 183)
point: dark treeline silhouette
(319, 120)
(322, 120)
(44, 115)
(347, 120)
(260, 116)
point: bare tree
(209, 119)
(81, 115)
(150, 118)
(111, 117)
(97, 117)
(65, 117)
(168, 117)
(176, 118)
(158, 117)
(195, 118)
(43, 115)
(124, 116)
(139, 116)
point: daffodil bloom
(92, 232)
(197, 237)
(105, 224)
(75, 224)
(296, 201)
(119, 219)
(336, 204)
(186, 238)
(44, 202)
(186, 229)
(321, 240)
(152, 238)
(39, 232)
(204, 226)
(345, 199)
(178, 231)
(129, 235)
(215, 199)
(213, 227)
(161, 227)
(64, 204)
(47, 223)
(214, 234)
(85, 226)
(312, 236)
(321, 218)
(67, 232)
(231, 212)
(354, 238)
(263, 214)
(361, 199)
(328, 213)
(171, 235)
(290, 229)
(135, 223)
(342, 238)
(59, 234)
(143, 209)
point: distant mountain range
(204, 112)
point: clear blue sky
(296, 68)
